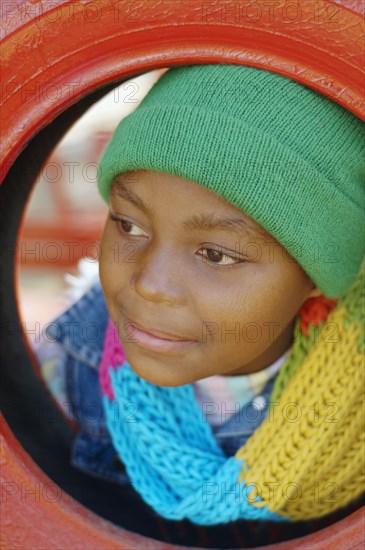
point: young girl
(227, 357)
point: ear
(315, 292)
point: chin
(157, 375)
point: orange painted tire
(58, 57)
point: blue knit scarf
(171, 456)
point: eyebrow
(195, 222)
(118, 188)
(211, 221)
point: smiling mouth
(158, 333)
(158, 341)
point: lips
(164, 335)
(159, 341)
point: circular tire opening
(24, 400)
(30, 411)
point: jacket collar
(81, 328)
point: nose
(157, 276)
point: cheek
(109, 265)
(261, 292)
(227, 304)
(290, 293)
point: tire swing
(58, 58)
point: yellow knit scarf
(306, 460)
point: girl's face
(218, 293)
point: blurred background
(58, 240)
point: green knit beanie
(287, 156)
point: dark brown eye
(219, 259)
(214, 255)
(126, 225)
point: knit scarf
(306, 459)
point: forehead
(211, 211)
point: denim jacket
(79, 335)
